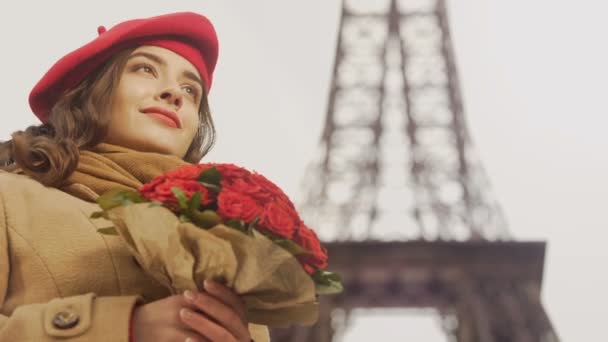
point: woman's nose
(172, 97)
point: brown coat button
(65, 319)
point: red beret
(188, 34)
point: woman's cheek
(192, 120)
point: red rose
(309, 269)
(266, 184)
(230, 171)
(152, 184)
(160, 190)
(185, 172)
(270, 190)
(278, 220)
(307, 239)
(233, 205)
(243, 186)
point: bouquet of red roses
(223, 222)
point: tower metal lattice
(398, 194)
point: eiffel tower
(398, 196)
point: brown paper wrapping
(275, 288)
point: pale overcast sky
(533, 75)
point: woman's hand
(216, 314)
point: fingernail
(189, 295)
(185, 313)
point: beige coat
(59, 278)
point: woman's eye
(145, 68)
(190, 90)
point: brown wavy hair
(49, 152)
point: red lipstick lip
(171, 115)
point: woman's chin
(157, 144)
(160, 148)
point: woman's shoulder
(19, 188)
(10, 181)
(17, 192)
(28, 205)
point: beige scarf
(106, 167)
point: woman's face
(155, 106)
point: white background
(533, 76)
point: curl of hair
(49, 152)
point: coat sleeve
(84, 317)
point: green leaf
(184, 218)
(107, 230)
(331, 289)
(181, 197)
(291, 247)
(210, 186)
(130, 197)
(113, 198)
(99, 214)
(326, 276)
(155, 204)
(236, 224)
(270, 236)
(117, 197)
(205, 219)
(327, 283)
(251, 226)
(210, 176)
(195, 201)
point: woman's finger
(192, 336)
(206, 327)
(219, 312)
(227, 296)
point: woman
(116, 112)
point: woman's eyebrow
(188, 74)
(151, 56)
(192, 76)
